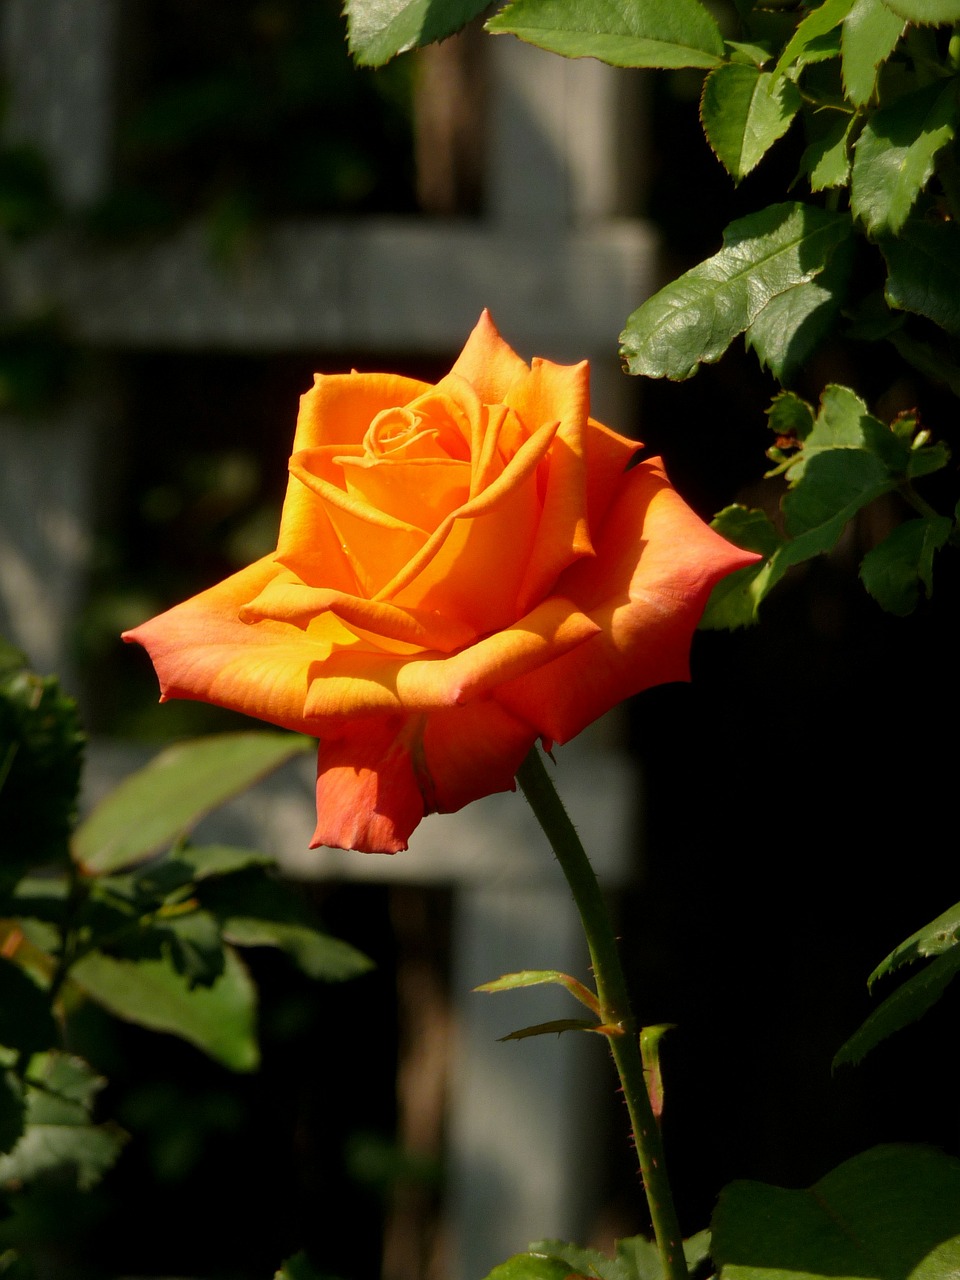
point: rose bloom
(461, 569)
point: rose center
(403, 434)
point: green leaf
(636, 1259)
(255, 910)
(905, 1005)
(923, 266)
(766, 255)
(299, 1267)
(317, 954)
(932, 940)
(791, 326)
(155, 806)
(894, 156)
(819, 22)
(871, 31)
(844, 423)
(744, 111)
(625, 33)
(210, 860)
(60, 1135)
(735, 600)
(926, 12)
(837, 483)
(377, 30)
(747, 527)
(539, 977)
(894, 571)
(219, 1019)
(826, 161)
(554, 1027)
(530, 1266)
(892, 1213)
(26, 1022)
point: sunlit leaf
(539, 977)
(929, 12)
(894, 156)
(826, 161)
(377, 30)
(780, 250)
(817, 23)
(60, 1136)
(932, 940)
(626, 33)
(871, 31)
(744, 111)
(219, 1019)
(153, 807)
(891, 1213)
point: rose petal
(339, 407)
(472, 751)
(368, 795)
(472, 566)
(286, 600)
(201, 650)
(656, 565)
(489, 364)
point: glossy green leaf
(895, 571)
(894, 156)
(60, 1136)
(539, 977)
(219, 1019)
(923, 271)
(818, 23)
(910, 1001)
(26, 1022)
(871, 31)
(377, 30)
(155, 806)
(780, 250)
(932, 940)
(790, 416)
(926, 12)
(892, 1213)
(12, 1111)
(626, 33)
(744, 111)
(826, 161)
(792, 325)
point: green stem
(615, 1009)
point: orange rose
(461, 570)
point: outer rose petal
(656, 565)
(489, 364)
(368, 795)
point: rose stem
(615, 1011)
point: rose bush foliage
(461, 569)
